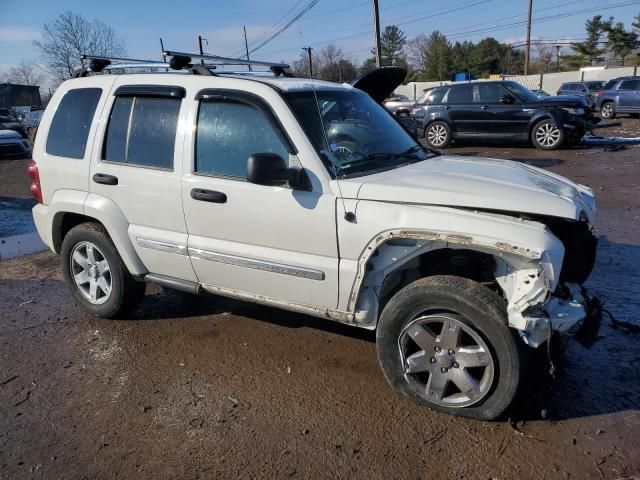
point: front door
(502, 120)
(244, 238)
(629, 95)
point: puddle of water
(17, 245)
(15, 216)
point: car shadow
(589, 380)
(170, 304)
(600, 378)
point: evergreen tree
(589, 50)
(621, 42)
(392, 42)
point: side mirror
(506, 99)
(270, 169)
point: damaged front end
(538, 303)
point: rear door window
(71, 123)
(460, 94)
(142, 131)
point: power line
(493, 27)
(308, 7)
(543, 19)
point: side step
(173, 283)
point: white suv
(309, 196)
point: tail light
(599, 92)
(34, 174)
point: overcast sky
(346, 23)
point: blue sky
(345, 22)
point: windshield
(352, 133)
(592, 86)
(521, 93)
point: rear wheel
(95, 273)
(444, 341)
(438, 134)
(607, 110)
(546, 135)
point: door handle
(208, 195)
(105, 179)
(447, 107)
(484, 107)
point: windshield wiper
(383, 159)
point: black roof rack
(177, 61)
(181, 59)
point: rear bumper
(43, 224)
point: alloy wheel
(607, 110)
(437, 135)
(91, 272)
(547, 135)
(446, 361)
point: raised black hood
(381, 82)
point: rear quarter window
(71, 123)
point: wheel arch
(396, 258)
(98, 209)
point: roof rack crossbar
(218, 60)
(119, 59)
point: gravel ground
(204, 387)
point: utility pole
(527, 48)
(308, 50)
(558, 47)
(376, 29)
(246, 45)
(200, 45)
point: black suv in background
(500, 110)
(588, 90)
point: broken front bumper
(559, 313)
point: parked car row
(17, 125)
(507, 111)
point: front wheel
(445, 342)
(607, 111)
(546, 135)
(438, 135)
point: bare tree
(545, 53)
(69, 36)
(25, 73)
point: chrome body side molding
(266, 266)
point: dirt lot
(211, 388)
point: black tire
(125, 291)
(608, 110)
(482, 311)
(438, 134)
(547, 125)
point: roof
(177, 76)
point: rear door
(464, 113)
(135, 168)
